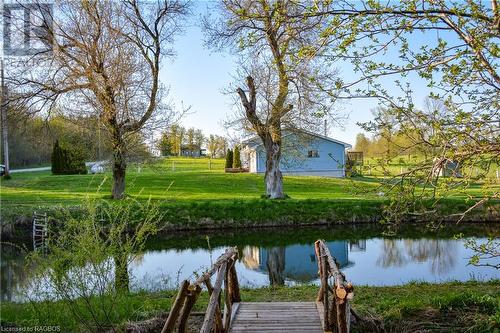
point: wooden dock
(276, 317)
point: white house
(304, 153)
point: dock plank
(276, 317)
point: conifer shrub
(236, 158)
(67, 160)
(229, 159)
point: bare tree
(106, 60)
(4, 120)
(278, 69)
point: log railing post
(208, 322)
(192, 296)
(174, 311)
(317, 250)
(234, 285)
(227, 299)
(337, 313)
(218, 315)
(226, 277)
(326, 303)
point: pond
(286, 257)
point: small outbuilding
(304, 153)
(444, 167)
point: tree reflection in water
(276, 265)
(13, 270)
(440, 253)
(391, 254)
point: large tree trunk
(119, 168)
(274, 178)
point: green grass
(190, 192)
(449, 307)
(160, 182)
(403, 163)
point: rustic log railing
(216, 320)
(333, 299)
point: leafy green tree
(217, 145)
(165, 145)
(362, 143)
(457, 61)
(212, 145)
(177, 135)
(236, 157)
(199, 138)
(190, 142)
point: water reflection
(293, 263)
(13, 271)
(374, 261)
(440, 253)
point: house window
(312, 153)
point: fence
(177, 164)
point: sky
(197, 76)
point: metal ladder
(40, 231)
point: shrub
(229, 159)
(86, 265)
(56, 159)
(67, 160)
(236, 158)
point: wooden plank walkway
(276, 317)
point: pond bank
(235, 214)
(452, 307)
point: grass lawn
(372, 166)
(159, 181)
(201, 187)
(422, 307)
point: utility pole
(3, 114)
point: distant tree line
(382, 147)
(391, 137)
(31, 139)
(178, 141)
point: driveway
(42, 168)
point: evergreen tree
(229, 159)
(56, 159)
(236, 157)
(67, 160)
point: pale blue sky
(197, 76)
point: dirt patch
(433, 320)
(156, 324)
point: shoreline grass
(454, 306)
(192, 196)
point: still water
(279, 257)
